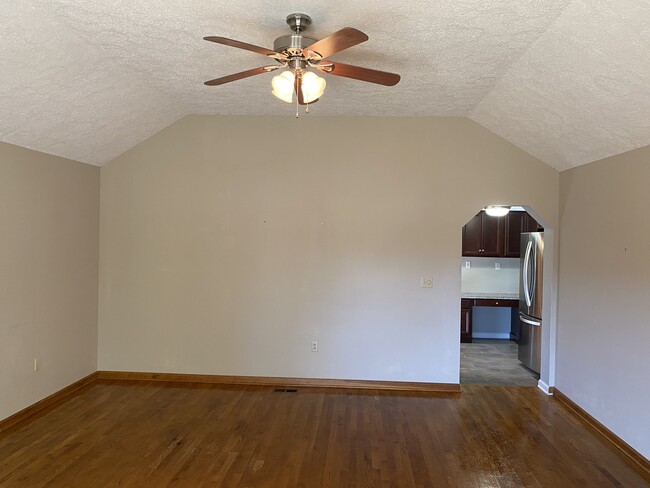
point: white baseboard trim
(491, 335)
(548, 390)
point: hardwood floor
(152, 434)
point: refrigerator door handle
(532, 288)
(524, 276)
(530, 322)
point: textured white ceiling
(567, 81)
(582, 91)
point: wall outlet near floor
(426, 282)
(37, 364)
(314, 346)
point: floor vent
(285, 390)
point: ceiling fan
(302, 57)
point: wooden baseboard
(225, 380)
(46, 402)
(631, 455)
(283, 382)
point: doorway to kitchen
(491, 329)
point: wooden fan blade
(358, 73)
(242, 75)
(336, 42)
(243, 45)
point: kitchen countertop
(492, 296)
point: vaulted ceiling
(567, 81)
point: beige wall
(49, 223)
(226, 249)
(222, 251)
(603, 345)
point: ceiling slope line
(519, 58)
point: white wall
(49, 233)
(483, 277)
(603, 346)
(226, 249)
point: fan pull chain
(297, 107)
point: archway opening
(504, 339)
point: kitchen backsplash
(482, 277)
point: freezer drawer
(530, 342)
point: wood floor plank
(135, 434)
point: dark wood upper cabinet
(472, 236)
(515, 225)
(531, 225)
(484, 236)
(497, 237)
(493, 236)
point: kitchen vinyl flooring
(159, 434)
(493, 362)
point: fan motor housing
(292, 44)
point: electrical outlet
(497, 266)
(468, 264)
(426, 282)
(314, 346)
(37, 364)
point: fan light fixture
(284, 86)
(300, 57)
(497, 210)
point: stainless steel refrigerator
(530, 300)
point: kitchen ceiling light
(496, 210)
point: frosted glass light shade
(283, 86)
(313, 86)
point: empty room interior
(370, 244)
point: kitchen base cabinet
(466, 305)
(515, 325)
(466, 320)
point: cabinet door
(472, 236)
(531, 225)
(515, 225)
(465, 320)
(493, 233)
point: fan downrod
(293, 44)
